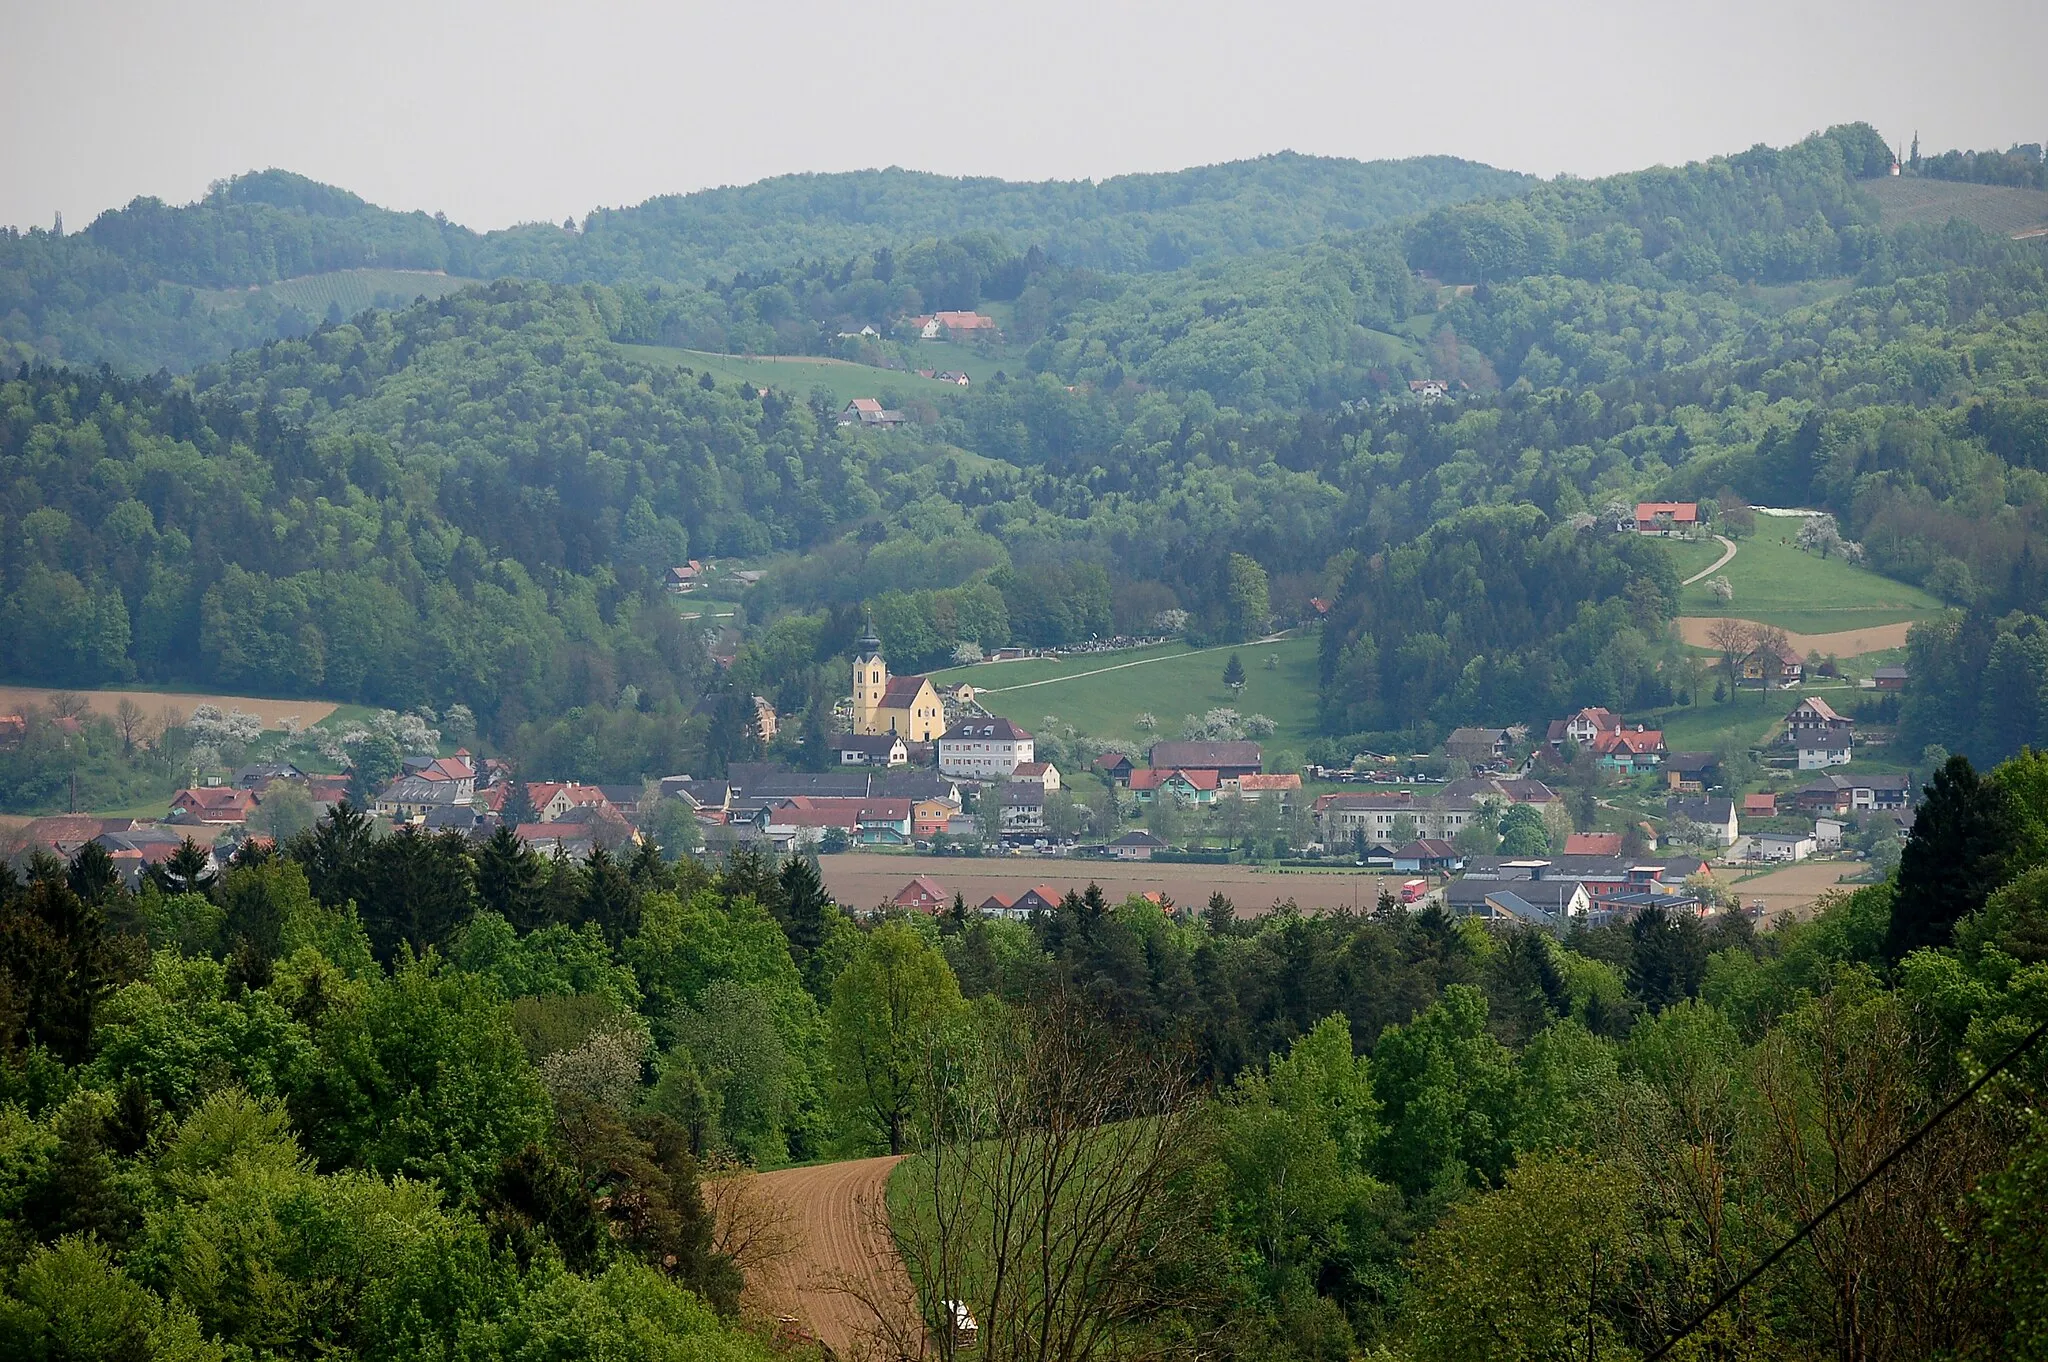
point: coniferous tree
(1963, 835)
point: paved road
(1716, 565)
(841, 1253)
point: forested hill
(154, 285)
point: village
(1590, 821)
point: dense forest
(142, 286)
(414, 1096)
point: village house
(1760, 805)
(1583, 728)
(220, 804)
(1666, 517)
(1691, 772)
(1889, 678)
(409, 798)
(1715, 816)
(552, 800)
(1783, 846)
(684, 579)
(1836, 793)
(957, 326)
(877, 749)
(1135, 846)
(1630, 749)
(984, 749)
(1769, 665)
(1186, 787)
(1020, 808)
(923, 895)
(1822, 737)
(1041, 898)
(259, 776)
(1552, 904)
(1116, 768)
(1827, 834)
(1426, 390)
(1477, 746)
(954, 377)
(866, 411)
(1427, 855)
(1592, 844)
(1042, 773)
(1282, 786)
(1228, 760)
(930, 817)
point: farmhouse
(1834, 793)
(1716, 816)
(923, 894)
(1283, 786)
(1136, 846)
(1186, 787)
(866, 411)
(1666, 517)
(212, 804)
(1477, 746)
(1769, 665)
(686, 578)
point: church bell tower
(870, 680)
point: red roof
(448, 768)
(1149, 778)
(1278, 780)
(1682, 512)
(217, 801)
(922, 892)
(1593, 844)
(1820, 709)
(900, 691)
(1763, 804)
(1628, 740)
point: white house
(1822, 737)
(1784, 846)
(1827, 834)
(984, 749)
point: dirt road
(1846, 643)
(841, 1254)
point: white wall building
(984, 749)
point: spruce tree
(1963, 834)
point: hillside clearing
(800, 375)
(1102, 694)
(352, 290)
(1777, 583)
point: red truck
(1413, 890)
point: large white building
(984, 749)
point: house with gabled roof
(1228, 760)
(1666, 517)
(1822, 737)
(924, 895)
(1188, 787)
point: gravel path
(1716, 565)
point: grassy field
(802, 374)
(1102, 694)
(1777, 583)
(2001, 209)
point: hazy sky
(508, 111)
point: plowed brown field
(1874, 638)
(155, 702)
(842, 1257)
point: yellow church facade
(907, 706)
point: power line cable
(1905, 1146)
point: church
(907, 706)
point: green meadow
(1778, 583)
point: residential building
(1427, 390)
(997, 904)
(1583, 728)
(866, 411)
(684, 579)
(1691, 772)
(1442, 815)
(1426, 855)
(1592, 844)
(212, 804)
(1766, 666)
(959, 326)
(1827, 834)
(1836, 793)
(410, 798)
(924, 895)
(954, 377)
(553, 799)
(1020, 810)
(262, 774)
(1666, 517)
(984, 749)
(907, 706)
(1188, 787)
(1282, 786)
(929, 817)
(1822, 737)
(1783, 846)
(1042, 898)
(1552, 904)
(1136, 846)
(1228, 760)
(1889, 678)
(1759, 806)
(1039, 772)
(1630, 749)
(1717, 816)
(1477, 746)
(877, 749)
(1115, 767)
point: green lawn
(802, 374)
(353, 290)
(1748, 718)
(1168, 682)
(1777, 583)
